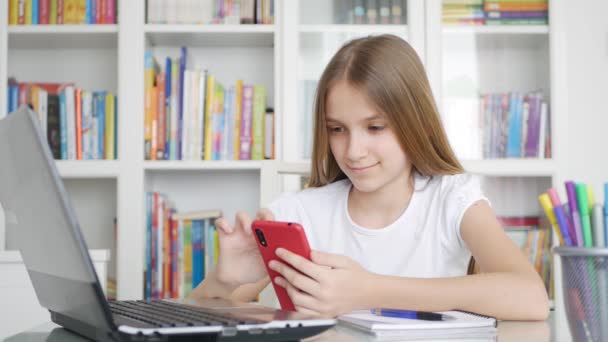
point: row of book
(190, 115)
(59, 12)
(370, 12)
(229, 12)
(78, 124)
(181, 248)
(515, 125)
(495, 12)
(533, 235)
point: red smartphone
(271, 235)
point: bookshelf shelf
(355, 29)
(88, 168)
(515, 29)
(511, 167)
(211, 35)
(202, 165)
(62, 36)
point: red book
(78, 100)
(102, 11)
(59, 12)
(21, 12)
(97, 13)
(44, 11)
(24, 94)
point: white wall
(587, 39)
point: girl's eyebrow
(369, 118)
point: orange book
(78, 100)
(166, 252)
(516, 6)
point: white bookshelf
(279, 56)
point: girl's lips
(362, 169)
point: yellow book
(237, 119)
(81, 11)
(34, 97)
(70, 11)
(187, 232)
(208, 115)
(148, 84)
(28, 12)
(13, 18)
(110, 127)
(259, 111)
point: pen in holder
(585, 288)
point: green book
(259, 109)
(516, 22)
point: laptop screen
(41, 222)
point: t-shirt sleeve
(285, 208)
(462, 191)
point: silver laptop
(41, 220)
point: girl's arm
(508, 287)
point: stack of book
(463, 12)
(181, 248)
(520, 12)
(495, 12)
(534, 236)
(79, 124)
(190, 115)
(58, 12)
(231, 12)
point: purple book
(531, 148)
(516, 15)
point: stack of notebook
(456, 324)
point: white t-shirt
(424, 242)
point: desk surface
(508, 331)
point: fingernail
(280, 251)
(278, 281)
(272, 264)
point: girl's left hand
(329, 286)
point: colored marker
(562, 219)
(575, 219)
(598, 226)
(545, 203)
(590, 197)
(583, 204)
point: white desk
(508, 331)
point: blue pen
(409, 314)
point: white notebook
(458, 325)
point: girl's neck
(382, 207)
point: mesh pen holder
(585, 288)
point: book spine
(88, 17)
(174, 257)
(110, 127)
(197, 256)
(97, 12)
(154, 122)
(101, 117)
(167, 105)
(63, 121)
(44, 12)
(87, 117)
(35, 12)
(259, 110)
(200, 115)
(148, 84)
(148, 287)
(78, 105)
(180, 113)
(246, 123)
(53, 12)
(160, 145)
(237, 118)
(174, 109)
(71, 120)
(60, 10)
(269, 134)
(209, 116)
(166, 251)
(54, 128)
(13, 10)
(187, 257)
(21, 12)
(110, 12)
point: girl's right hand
(239, 259)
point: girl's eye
(335, 129)
(376, 128)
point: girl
(390, 214)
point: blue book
(515, 125)
(35, 12)
(148, 290)
(197, 252)
(167, 107)
(63, 125)
(180, 112)
(14, 98)
(89, 17)
(100, 98)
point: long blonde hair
(387, 69)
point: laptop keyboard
(163, 314)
